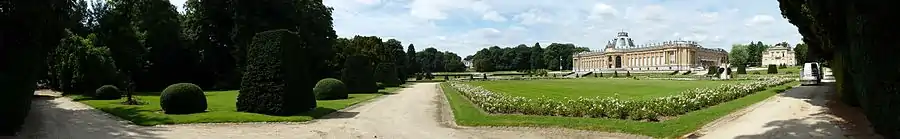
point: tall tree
(857, 38)
(739, 55)
(116, 31)
(537, 57)
(800, 54)
(31, 29)
(400, 59)
(414, 66)
(318, 32)
(170, 61)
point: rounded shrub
(330, 88)
(108, 92)
(182, 98)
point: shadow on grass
(52, 117)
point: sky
(466, 26)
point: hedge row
(651, 110)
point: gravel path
(798, 113)
(413, 113)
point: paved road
(798, 113)
(413, 113)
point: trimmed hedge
(772, 69)
(742, 70)
(107, 92)
(358, 75)
(182, 98)
(276, 79)
(330, 89)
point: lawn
(221, 109)
(467, 114)
(594, 87)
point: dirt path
(413, 113)
(798, 113)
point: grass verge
(221, 109)
(466, 114)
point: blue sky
(466, 26)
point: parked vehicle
(811, 74)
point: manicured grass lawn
(594, 87)
(221, 109)
(467, 114)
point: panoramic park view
(448, 69)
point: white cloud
(466, 26)
(760, 20)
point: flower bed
(650, 109)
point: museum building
(622, 54)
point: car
(811, 74)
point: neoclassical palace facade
(621, 54)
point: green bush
(627, 73)
(108, 92)
(276, 79)
(330, 89)
(742, 70)
(772, 69)
(387, 73)
(782, 66)
(358, 75)
(182, 98)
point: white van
(811, 74)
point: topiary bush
(358, 75)
(330, 89)
(182, 98)
(107, 92)
(742, 70)
(276, 79)
(772, 69)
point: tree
(739, 55)
(169, 60)
(358, 75)
(276, 79)
(31, 29)
(400, 60)
(414, 66)
(800, 54)
(537, 57)
(844, 33)
(117, 32)
(386, 73)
